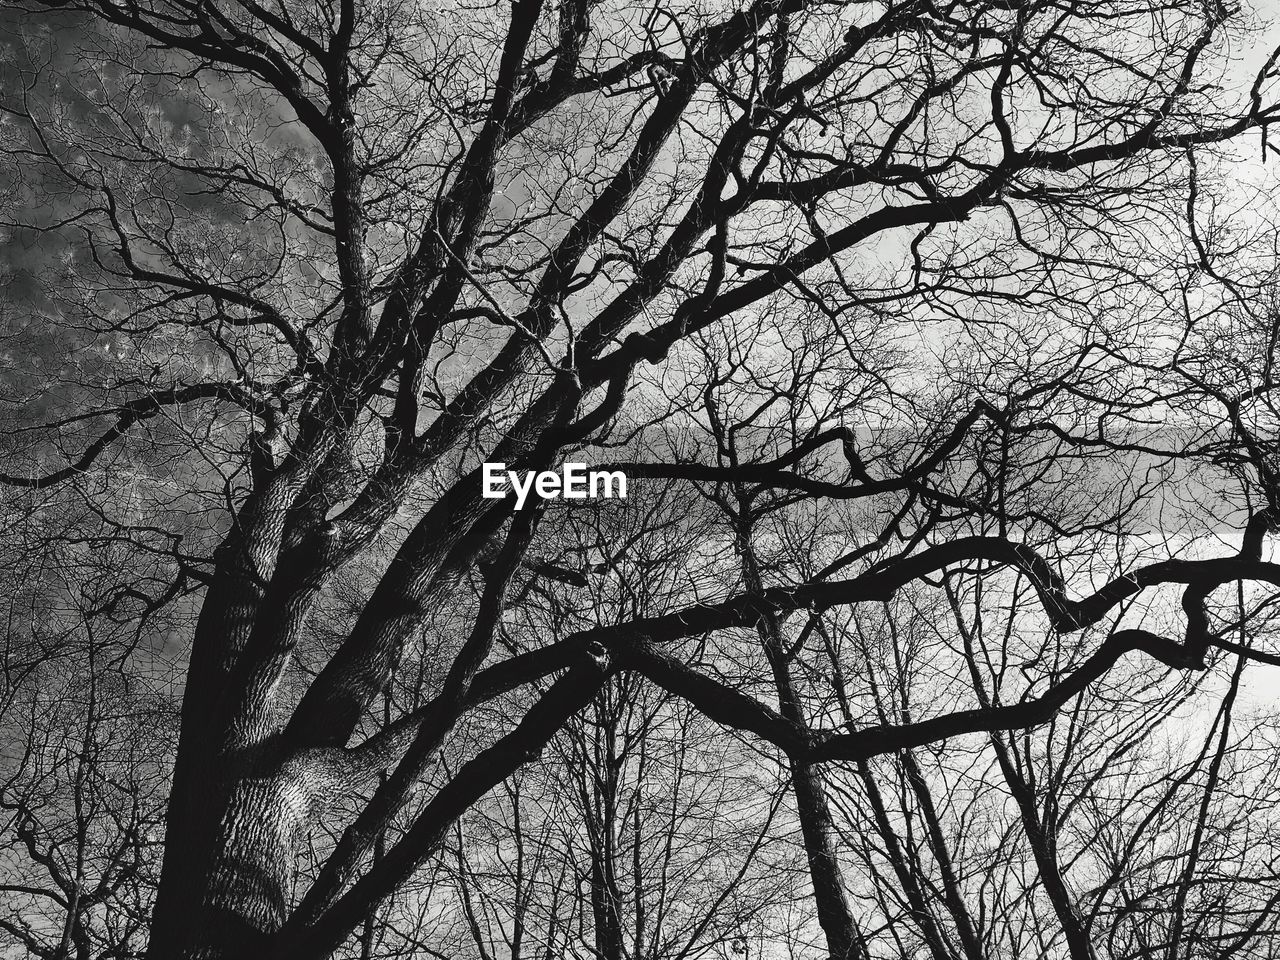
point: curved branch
(127, 416)
(887, 738)
(880, 583)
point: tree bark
(245, 893)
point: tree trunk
(844, 940)
(232, 825)
(246, 890)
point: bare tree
(81, 795)
(294, 272)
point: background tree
(84, 761)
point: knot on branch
(598, 654)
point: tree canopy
(936, 341)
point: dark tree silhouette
(285, 275)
